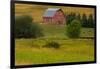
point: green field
(71, 51)
(59, 31)
(30, 51)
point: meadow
(31, 51)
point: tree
(84, 21)
(73, 29)
(78, 17)
(25, 28)
(70, 17)
(91, 22)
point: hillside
(36, 11)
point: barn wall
(47, 19)
(58, 18)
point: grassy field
(60, 30)
(31, 51)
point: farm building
(54, 16)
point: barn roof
(50, 12)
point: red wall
(58, 18)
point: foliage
(74, 29)
(84, 21)
(78, 17)
(88, 21)
(25, 28)
(52, 44)
(91, 22)
(70, 17)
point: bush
(52, 44)
(73, 29)
(25, 28)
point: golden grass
(78, 50)
(37, 11)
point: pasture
(31, 51)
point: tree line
(74, 23)
(86, 21)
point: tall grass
(70, 51)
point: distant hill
(36, 11)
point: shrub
(36, 31)
(73, 29)
(25, 28)
(52, 44)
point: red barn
(54, 16)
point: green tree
(78, 17)
(73, 29)
(91, 22)
(25, 28)
(84, 21)
(70, 17)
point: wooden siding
(58, 18)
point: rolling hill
(36, 11)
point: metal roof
(50, 12)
